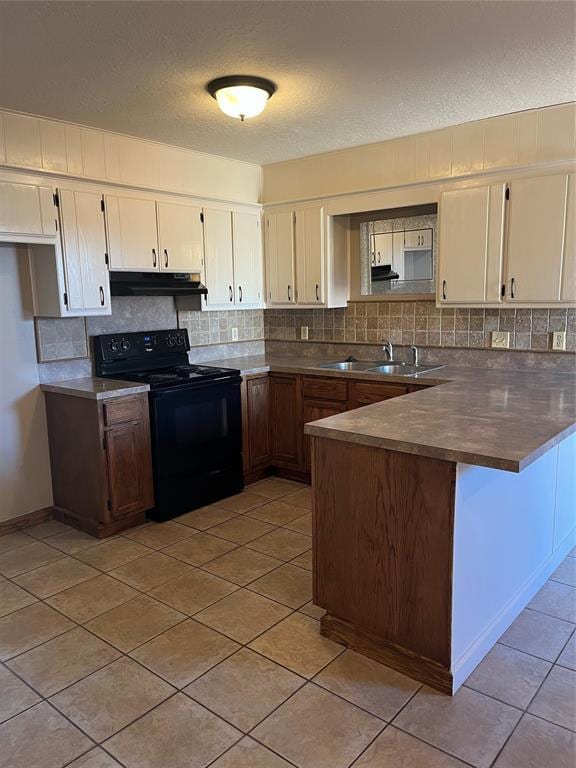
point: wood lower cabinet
(256, 423)
(277, 406)
(101, 461)
(286, 420)
(312, 412)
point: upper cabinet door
(280, 257)
(568, 289)
(247, 258)
(470, 243)
(84, 250)
(537, 213)
(310, 255)
(180, 237)
(132, 234)
(20, 211)
(218, 260)
(382, 249)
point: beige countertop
(95, 388)
(503, 419)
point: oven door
(196, 445)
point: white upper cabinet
(22, 136)
(310, 255)
(53, 139)
(470, 243)
(280, 266)
(132, 234)
(180, 237)
(568, 290)
(537, 216)
(415, 239)
(218, 257)
(248, 267)
(84, 250)
(26, 210)
(382, 249)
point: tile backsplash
(404, 323)
(60, 338)
(217, 327)
(421, 322)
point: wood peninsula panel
(383, 540)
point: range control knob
(115, 346)
(170, 341)
(125, 344)
(179, 340)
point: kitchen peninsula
(439, 514)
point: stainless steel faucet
(414, 355)
(388, 348)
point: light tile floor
(195, 643)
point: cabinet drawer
(122, 410)
(317, 388)
(365, 393)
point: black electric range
(195, 417)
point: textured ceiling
(348, 73)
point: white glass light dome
(241, 96)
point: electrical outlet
(559, 341)
(234, 334)
(304, 332)
(500, 339)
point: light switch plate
(304, 332)
(559, 341)
(500, 339)
(234, 334)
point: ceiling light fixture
(241, 96)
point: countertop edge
(124, 389)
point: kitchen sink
(385, 368)
(349, 365)
(402, 369)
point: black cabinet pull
(154, 259)
(240, 292)
(317, 296)
(165, 258)
(101, 296)
(289, 294)
(443, 289)
(230, 292)
(512, 289)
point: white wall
(25, 484)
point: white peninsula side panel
(511, 531)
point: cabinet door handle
(317, 296)
(101, 296)
(512, 288)
(443, 289)
(230, 293)
(165, 258)
(289, 294)
(154, 259)
(240, 292)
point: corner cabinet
(101, 463)
(510, 243)
(276, 407)
(303, 268)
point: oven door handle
(229, 381)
